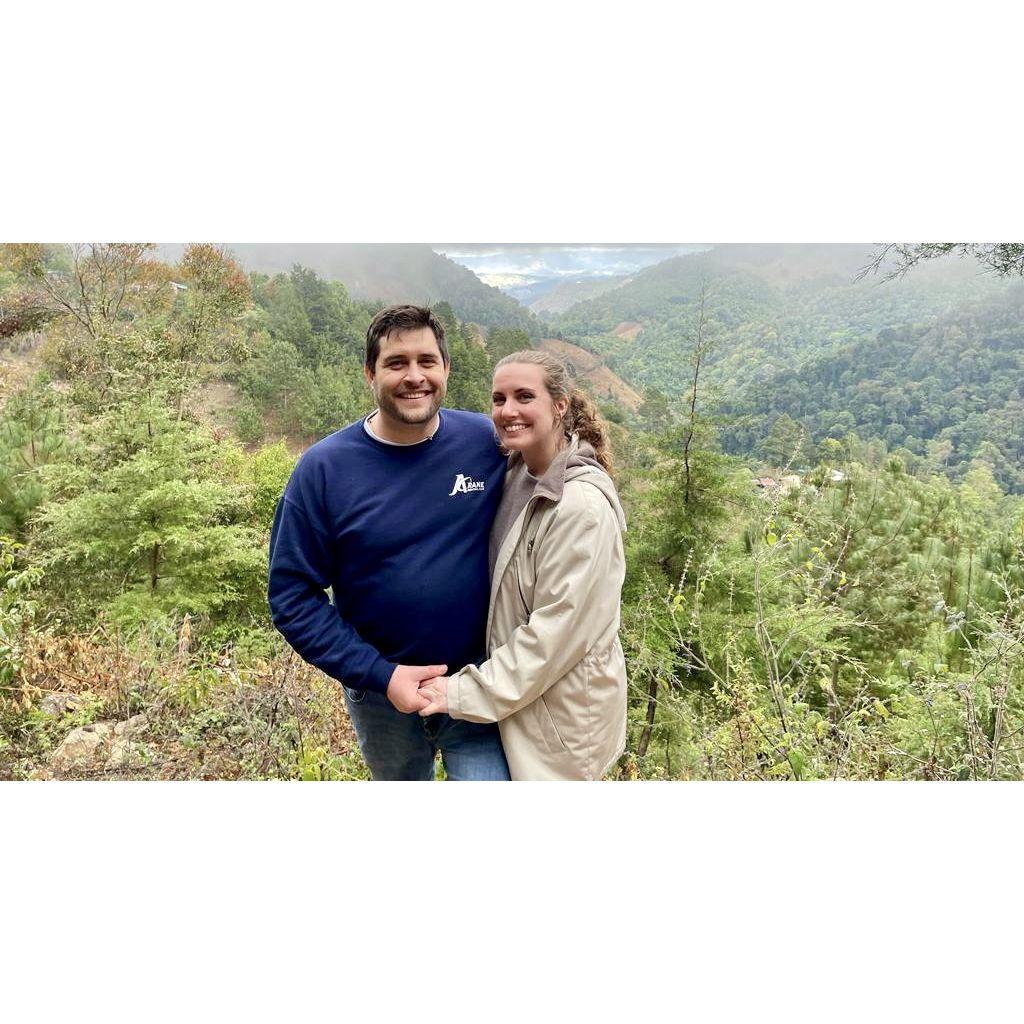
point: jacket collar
(552, 483)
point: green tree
(503, 341)
(33, 434)
(655, 412)
(216, 294)
(786, 443)
(143, 524)
(268, 471)
(469, 386)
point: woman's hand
(436, 691)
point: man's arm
(300, 559)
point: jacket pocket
(522, 596)
(519, 588)
(552, 737)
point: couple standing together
(447, 549)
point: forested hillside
(387, 274)
(950, 390)
(860, 618)
(302, 376)
(932, 363)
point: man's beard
(397, 410)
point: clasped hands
(420, 688)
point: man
(393, 514)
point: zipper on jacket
(522, 596)
(527, 514)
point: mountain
(387, 274)
(553, 277)
(935, 356)
(558, 296)
(771, 306)
(952, 389)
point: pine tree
(145, 523)
(33, 434)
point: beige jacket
(555, 678)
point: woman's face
(528, 420)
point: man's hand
(403, 688)
(436, 690)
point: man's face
(410, 378)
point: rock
(81, 744)
(120, 750)
(132, 726)
(58, 703)
(111, 741)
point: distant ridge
(565, 294)
(387, 273)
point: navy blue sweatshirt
(400, 535)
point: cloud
(512, 266)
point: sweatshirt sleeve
(300, 559)
(580, 570)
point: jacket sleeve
(579, 577)
(300, 560)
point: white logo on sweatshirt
(465, 484)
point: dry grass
(208, 716)
(591, 369)
(627, 330)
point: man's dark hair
(402, 318)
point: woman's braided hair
(582, 417)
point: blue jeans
(400, 748)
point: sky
(511, 266)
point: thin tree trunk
(652, 704)
(154, 562)
(698, 352)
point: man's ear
(368, 375)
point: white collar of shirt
(398, 444)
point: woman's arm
(580, 570)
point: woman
(555, 679)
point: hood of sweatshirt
(577, 461)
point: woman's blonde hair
(582, 417)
